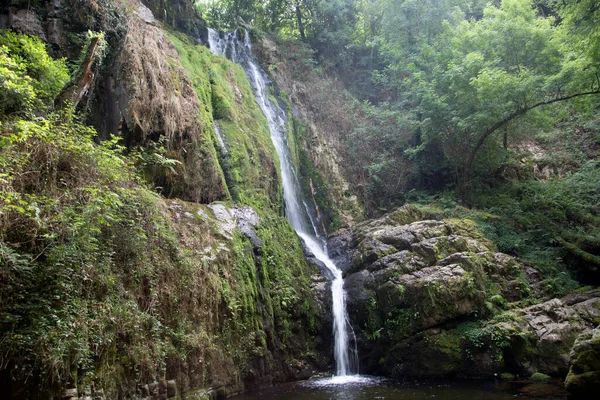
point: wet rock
(54, 8)
(247, 220)
(325, 272)
(145, 14)
(55, 31)
(358, 287)
(404, 262)
(226, 218)
(399, 237)
(338, 246)
(369, 251)
(3, 21)
(321, 287)
(25, 21)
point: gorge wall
(147, 295)
(160, 264)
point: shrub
(29, 78)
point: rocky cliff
(432, 297)
(110, 290)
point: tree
(489, 72)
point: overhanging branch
(515, 114)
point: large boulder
(434, 298)
(584, 375)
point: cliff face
(322, 115)
(109, 289)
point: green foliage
(154, 162)
(251, 166)
(580, 37)
(553, 224)
(16, 92)
(480, 339)
(376, 146)
(539, 217)
(63, 201)
(481, 73)
(29, 78)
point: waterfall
(220, 138)
(237, 47)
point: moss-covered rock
(584, 374)
(539, 377)
(406, 278)
(435, 298)
(251, 166)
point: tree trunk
(468, 168)
(300, 23)
(74, 91)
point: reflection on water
(368, 388)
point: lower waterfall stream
(237, 47)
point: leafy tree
(29, 78)
(487, 73)
(580, 34)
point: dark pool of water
(370, 388)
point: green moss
(447, 346)
(129, 287)
(539, 377)
(583, 384)
(464, 227)
(314, 184)
(505, 376)
(251, 166)
(415, 212)
(221, 107)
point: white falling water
(220, 138)
(237, 47)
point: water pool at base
(372, 388)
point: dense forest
(447, 150)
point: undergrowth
(553, 225)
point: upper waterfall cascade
(237, 47)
